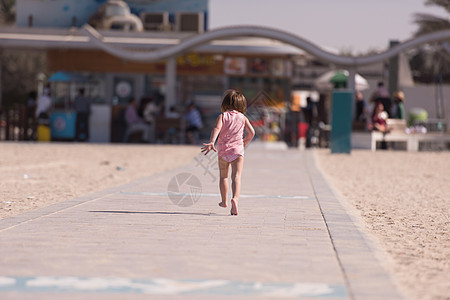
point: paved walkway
(292, 239)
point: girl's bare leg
(236, 171)
(224, 168)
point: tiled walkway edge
(363, 272)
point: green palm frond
(7, 10)
(442, 3)
(429, 23)
(432, 59)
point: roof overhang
(44, 38)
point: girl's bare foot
(223, 204)
(234, 207)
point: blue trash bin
(63, 125)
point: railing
(433, 125)
(16, 124)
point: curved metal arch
(265, 32)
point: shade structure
(338, 78)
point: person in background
(150, 111)
(172, 113)
(361, 108)
(381, 94)
(82, 107)
(399, 108)
(44, 104)
(31, 116)
(379, 122)
(136, 123)
(379, 118)
(31, 104)
(311, 114)
(193, 124)
(172, 134)
(293, 118)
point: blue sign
(62, 125)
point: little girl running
(230, 146)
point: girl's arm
(250, 132)
(214, 133)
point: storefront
(201, 78)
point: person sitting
(379, 118)
(135, 123)
(379, 122)
(172, 134)
(381, 94)
(149, 112)
(194, 124)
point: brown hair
(399, 95)
(234, 100)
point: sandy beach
(37, 175)
(401, 199)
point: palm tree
(432, 60)
(7, 11)
(429, 23)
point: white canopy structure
(324, 82)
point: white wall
(424, 96)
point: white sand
(36, 175)
(403, 200)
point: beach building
(264, 69)
(249, 64)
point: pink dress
(231, 139)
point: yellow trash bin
(43, 133)
(43, 128)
